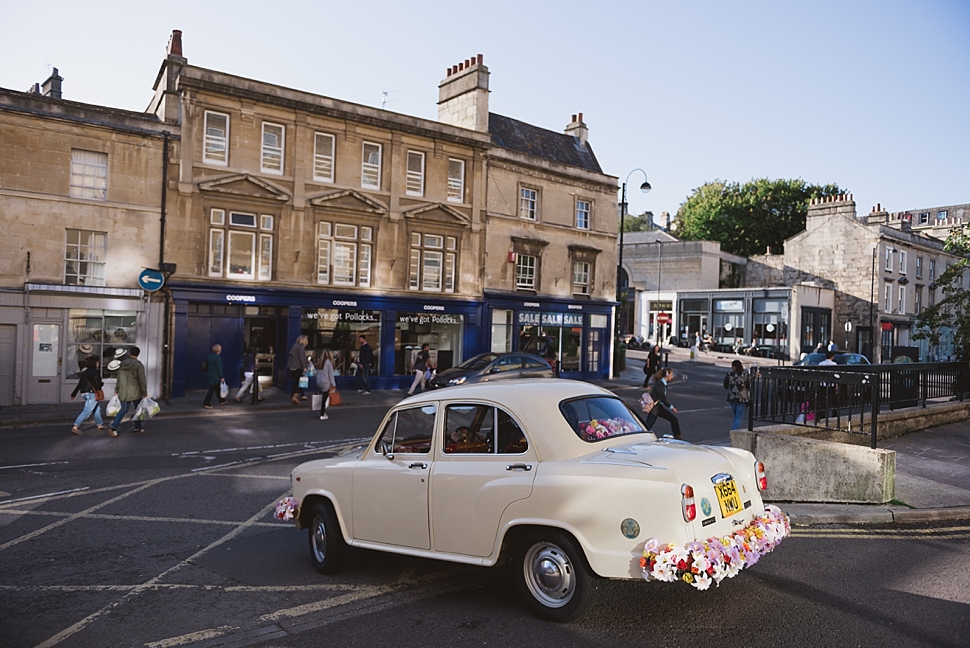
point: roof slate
(518, 136)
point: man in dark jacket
(365, 358)
(131, 388)
(215, 376)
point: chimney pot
(52, 86)
(461, 66)
(574, 118)
(175, 43)
(480, 58)
(580, 117)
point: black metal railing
(850, 398)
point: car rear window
(600, 417)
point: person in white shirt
(833, 346)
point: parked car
(559, 476)
(813, 359)
(486, 367)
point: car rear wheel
(552, 576)
(326, 543)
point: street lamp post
(645, 187)
(660, 265)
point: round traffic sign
(663, 318)
(151, 280)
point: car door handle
(526, 467)
(422, 466)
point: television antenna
(384, 97)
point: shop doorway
(8, 338)
(260, 333)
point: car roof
(535, 403)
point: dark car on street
(813, 359)
(494, 366)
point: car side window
(529, 363)
(469, 429)
(414, 429)
(505, 364)
(511, 438)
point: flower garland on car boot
(703, 562)
(286, 509)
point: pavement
(932, 466)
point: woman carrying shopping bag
(325, 381)
(663, 409)
(90, 385)
(738, 384)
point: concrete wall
(808, 470)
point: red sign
(663, 318)
(887, 326)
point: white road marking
(192, 637)
(33, 497)
(140, 518)
(80, 625)
(34, 465)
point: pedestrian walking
(250, 379)
(422, 362)
(652, 366)
(663, 409)
(738, 384)
(325, 380)
(365, 358)
(131, 388)
(833, 347)
(297, 364)
(89, 383)
(215, 375)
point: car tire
(327, 546)
(552, 576)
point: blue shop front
(573, 336)
(270, 320)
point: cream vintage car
(559, 476)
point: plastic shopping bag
(317, 402)
(223, 391)
(114, 406)
(304, 382)
(147, 408)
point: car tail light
(759, 473)
(687, 503)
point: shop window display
(338, 330)
(442, 331)
(105, 334)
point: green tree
(952, 313)
(746, 219)
(640, 223)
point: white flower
(701, 581)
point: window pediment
(247, 186)
(438, 212)
(349, 200)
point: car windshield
(480, 361)
(600, 417)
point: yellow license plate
(728, 498)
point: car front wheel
(552, 576)
(326, 543)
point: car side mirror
(386, 451)
(494, 370)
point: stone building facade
(80, 209)
(295, 213)
(882, 276)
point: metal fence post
(874, 385)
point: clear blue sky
(872, 95)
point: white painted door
(44, 385)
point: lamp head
(645, 187)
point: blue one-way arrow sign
(151, 280)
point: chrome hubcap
(319, 540)
(549, 574)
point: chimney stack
(52, 87)
(463, 95)
(175, 43)
(578, 129)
